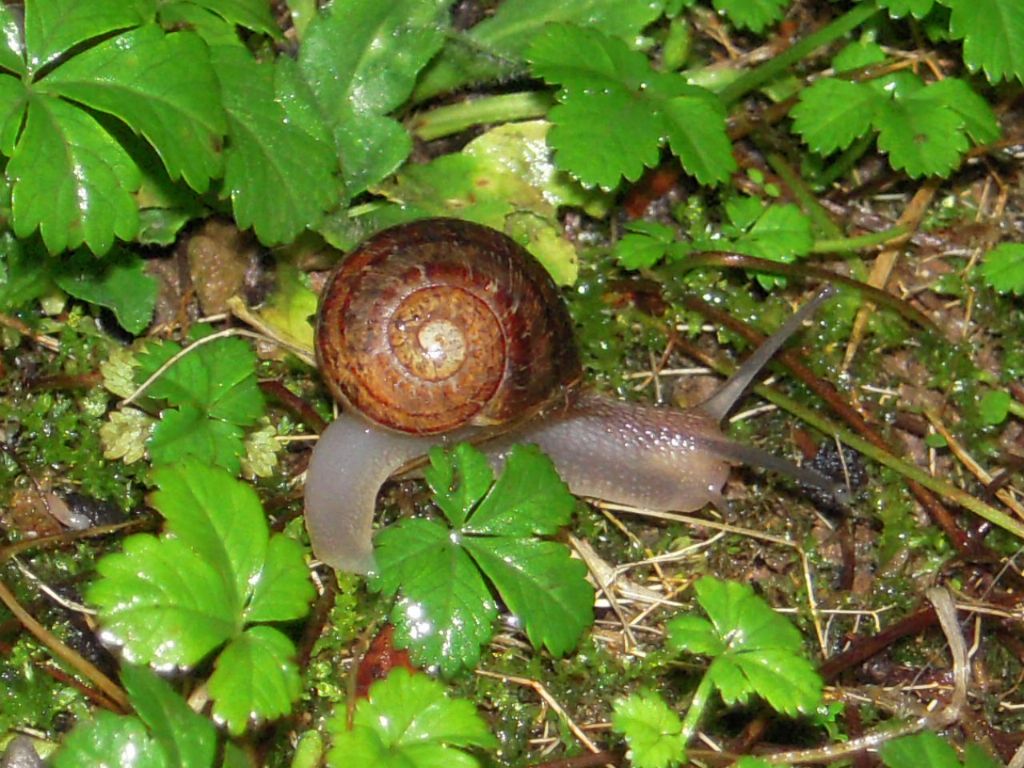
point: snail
(442, 327)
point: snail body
(446, 328)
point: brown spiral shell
(439, 323)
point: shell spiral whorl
(435, 324)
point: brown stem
(68, 655)
(275, 389)
(865, 648)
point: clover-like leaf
(108, 734)
(408, 720)
(176, 599)
(752, 14)
(757, 651)
(71, 179)
(615, 110)
(218, 378)
(543, 586)
(833, 113)
(993, 35)
(1003, 268)
(138, 77)
(445, 609)
(55, 26)
(652, 730)
(186, 737)
(921, 136)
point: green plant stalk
(861, 242)
(905, 468)
(696, 710)
(1016, 409)
(453, 118)
(772, 68)
(819, 216)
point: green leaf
(652, 730)
(993, 35)
(833, 113)
(72, 180)
(505, 37)
(980, 121)
(174, 600)
(220, 519)
(256, 677)
(218, 378)
(752, 14)
(282, 590)
(13, 101)
(110, 741)
(12, 44)
(994, 407)
(644, 245)
(164, 603)
(780, 233)
(280, 174)
(859, 53)
(361, 58)
(24, 273)
(900, 8)
(138, 77)
(919, 749)
(761, 652)
(406, 720)
(1003, 268)
(251, 14)
(921, 137)
(119, 283)
(505, 179)
(459, 480)
(529, 499)
(188, 433)
(187, 738)
(694, 634)
(54, 26)
(446, 610)
(542, 585)
(611, 98)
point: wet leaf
(652, 730)
(256, 678)
(445, 612)
(176, 599)
(361, 58)
(445, 609)
(408, 721)
(281, 176)
(757, 652)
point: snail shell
(436, 324)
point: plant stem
(772, 68)
(861, 242)
(823, 224)
(453, 118)
(696, 710)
